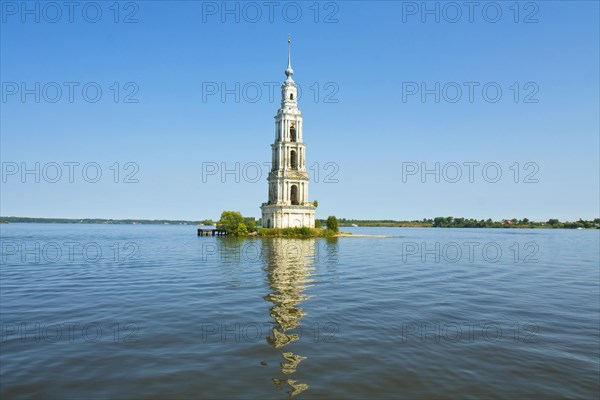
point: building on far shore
(288, 204)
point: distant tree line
(251, 223)
(97, 221)
(452, 222)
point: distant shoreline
(440, 222)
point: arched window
(294, 195)
(293, 133)
(293, 159)
(291, 96)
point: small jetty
(211, 232)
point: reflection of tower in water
(288, 270)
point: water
(153, 311)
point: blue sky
(358, 64)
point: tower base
(284, 216)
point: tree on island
(241, 229)
(250, 224)
(332, 224)
(232, 221)
(235, 224)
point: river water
(153, 311)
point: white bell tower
(288, 204)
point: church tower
(288, 204)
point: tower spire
(289, 71)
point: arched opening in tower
(293, 159)
(294, 195)
(293, 134)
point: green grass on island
(303, 232)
